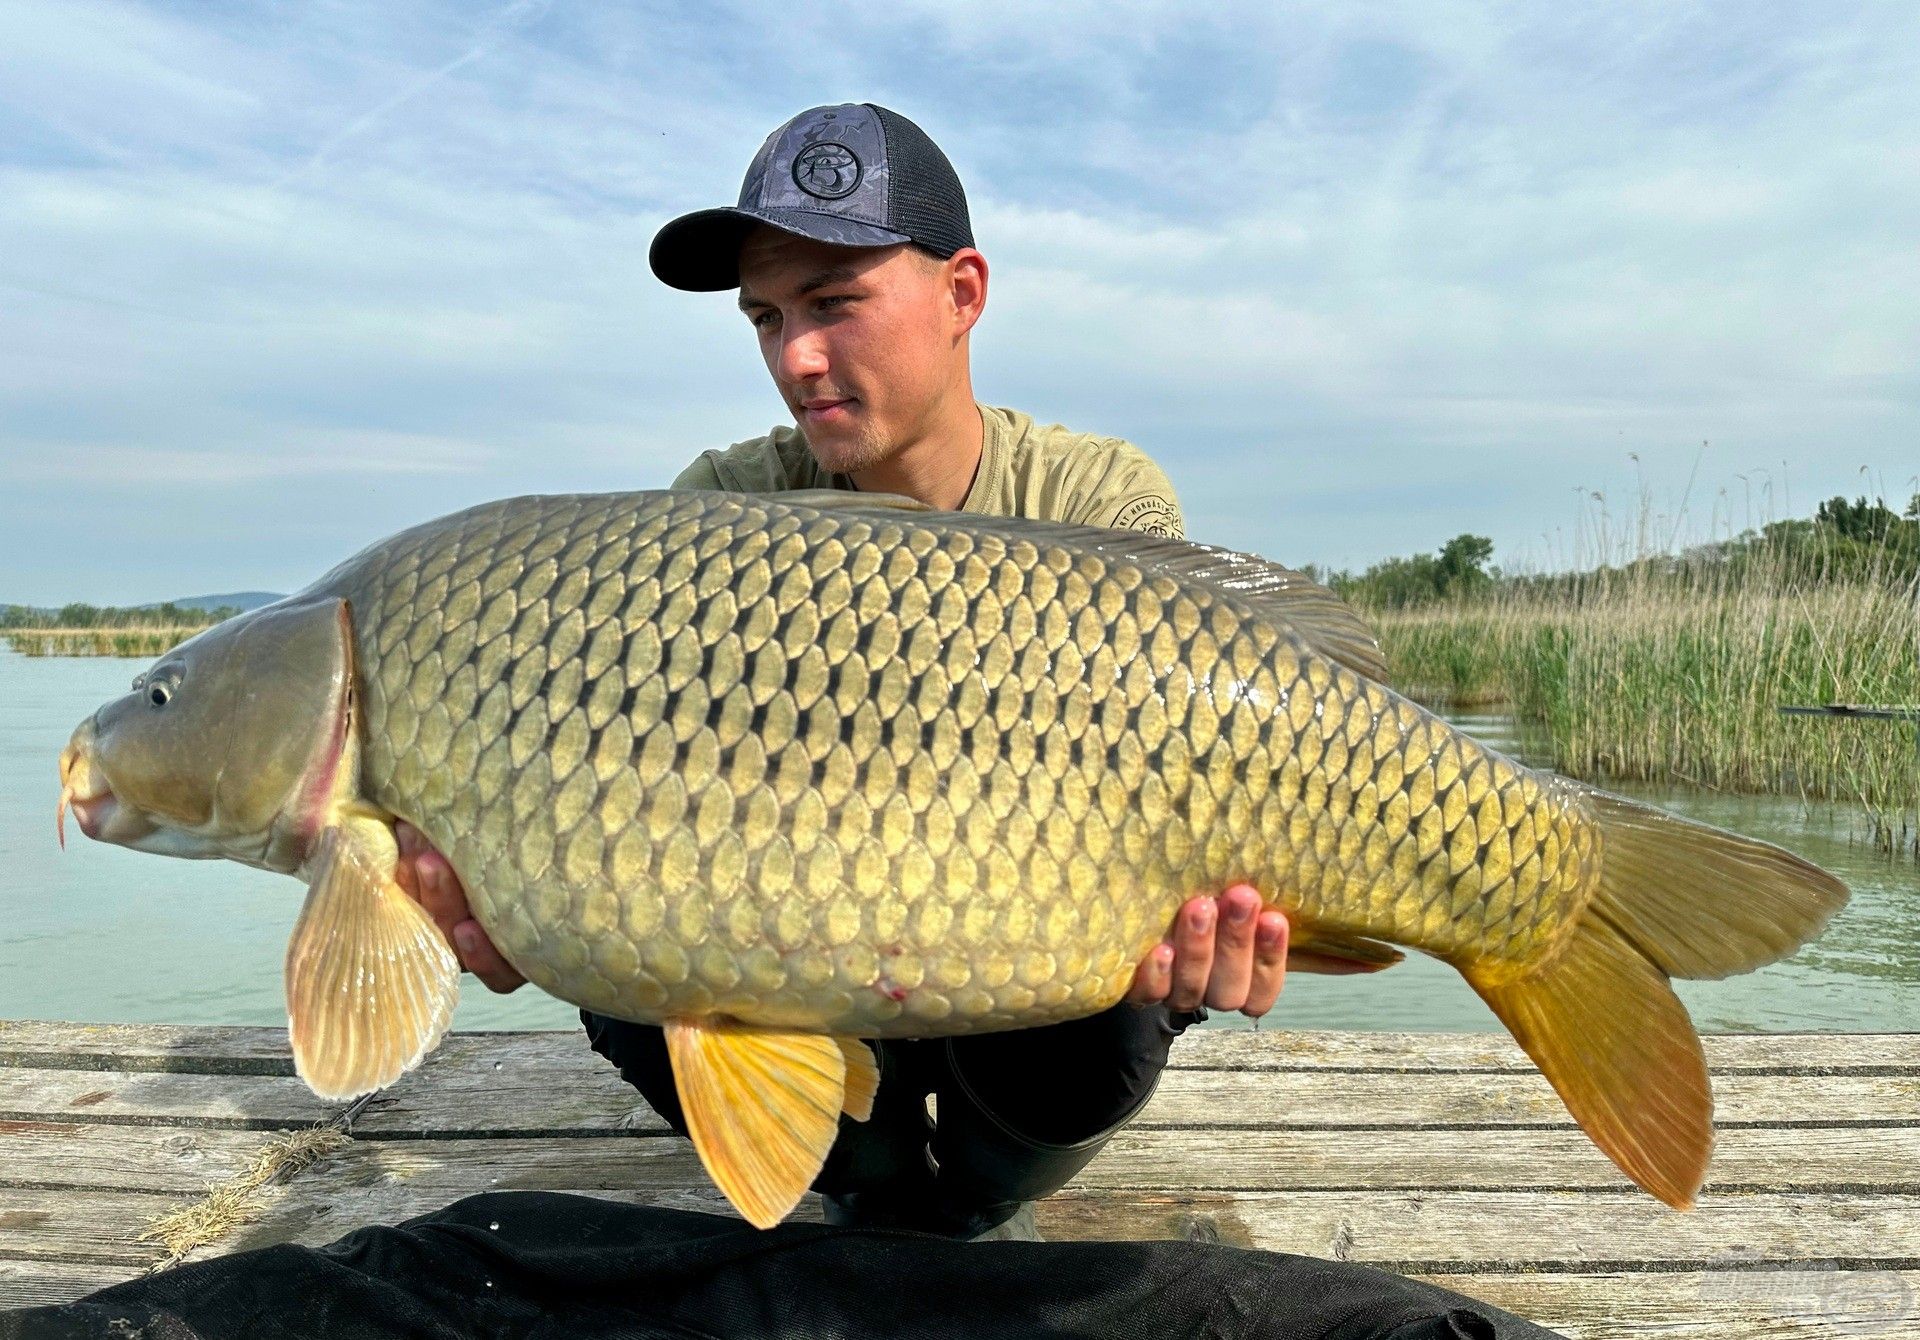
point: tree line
(1857, 540)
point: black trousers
(1019, 1113)
(528, 1265)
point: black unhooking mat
(535, 1263)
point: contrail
(502, 19)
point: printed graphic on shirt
(1154, 515)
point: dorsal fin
(1286, 595)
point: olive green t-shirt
(1026, 469)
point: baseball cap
(854, 174)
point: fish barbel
(784, 772)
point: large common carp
(784, 772)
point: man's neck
(939, 467)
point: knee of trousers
(639, 1052)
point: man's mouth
(821, 409)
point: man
(853, 254)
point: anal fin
(1338, 955)
(371, 984)
(763, 1106)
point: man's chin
(842, 453)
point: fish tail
(1599, 1017)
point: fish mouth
(85, 792)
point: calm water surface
(104, 934)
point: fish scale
(888, 775)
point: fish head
(234, 744)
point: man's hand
(427, 878)
(1225, 954)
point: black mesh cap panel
(924, 197)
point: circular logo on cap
(827, 170)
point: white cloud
(1362, 277)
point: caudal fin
(1675, 899)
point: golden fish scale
(892, 774)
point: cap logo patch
(827, 170)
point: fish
(788, 773)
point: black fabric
(537, 1264)
(924, 197)
(1064, 1084)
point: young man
(853, 254)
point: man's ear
(967, 283)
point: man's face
(863, 342)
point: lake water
(108, 935)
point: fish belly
(888, 774)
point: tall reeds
(141, 642)
(1677, 670)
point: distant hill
(239, 600)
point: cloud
(1361, 277)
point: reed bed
(141, 642)
(1679, 677)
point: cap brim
(700, 252)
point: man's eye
(835, 301)
(761, 319)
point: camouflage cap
(855, 174)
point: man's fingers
(481, 959)
(1192, 953)
(1233, 949)
(1153, 978)
(1269, 964)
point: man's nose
(803, 356)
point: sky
(278, 280)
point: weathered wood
(158, 1160)
(264, 1050)
(1245, 1049)
(571, 1095)
(1440, 1154)
(69, 1225)
(233, 1102)
(44, 1283)
(1707, 1305)
(1758, 1158)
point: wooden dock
(1443, 1156)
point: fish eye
(158, 692)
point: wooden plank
(200, 1048)
(1504, 1229)
(229, 1101)
(158, 1160)
(1757, 1158)
(1750, 1158)
(566, 1093)
(264, 1050)
(68, 1225)
(46, 1283)
(1707, 1305)
(1246, 1049)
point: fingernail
(466, 940)
(1163, 957)
(1201, 919)
(1269, 933)
(1239, 910)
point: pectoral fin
(371, 984)
(763, 1106)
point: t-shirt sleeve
(1135, 495)
(702, 474)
